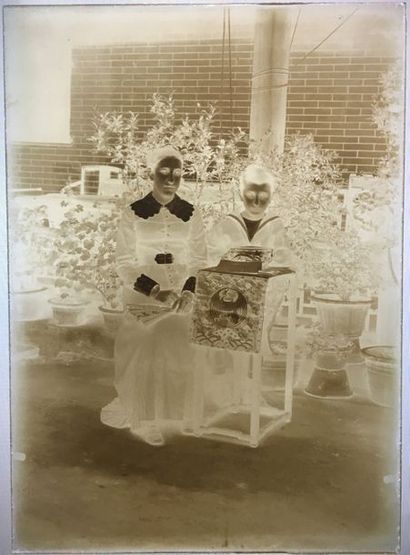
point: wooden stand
(259, 420)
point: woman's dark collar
(148, 206)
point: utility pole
(273, 35)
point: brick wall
(48, 166)
(125, 78)
(329, 95)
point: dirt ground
(323, 483)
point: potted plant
(343, 279)
(68, 305)
(85, 243)
(31, 263)
(100, 271)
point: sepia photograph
(205, 209)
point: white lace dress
(153, 363)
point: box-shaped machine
(234, 302)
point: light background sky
(39, 40)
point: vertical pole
(273, 36)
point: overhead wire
(328, 36)
(227, 30)
(297, 62)
(295, 27)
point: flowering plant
(307, 192)
(377, 210)
(85, 243)
(344, 266)
(388, 115)
(30, 236)
(116, 135)
(211, 163)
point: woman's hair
(258, 175)
(155, 156)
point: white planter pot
(112, 318)
(346, 318)
(382, 375)
(341, 317)
(68, 314)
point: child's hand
(184, 302)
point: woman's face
(256, 198)
(167, 178)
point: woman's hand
(185, 302)
(167, 296)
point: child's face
(256, 198)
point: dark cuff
(164, 258)
(190, 284)
(144, 285)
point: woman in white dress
(160, 247)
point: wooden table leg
(198, 389)
(256, 366)
(238, 359)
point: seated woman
(160, 246)
(254, 225)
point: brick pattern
(49, 167)
(329, 95)
(124, 78)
